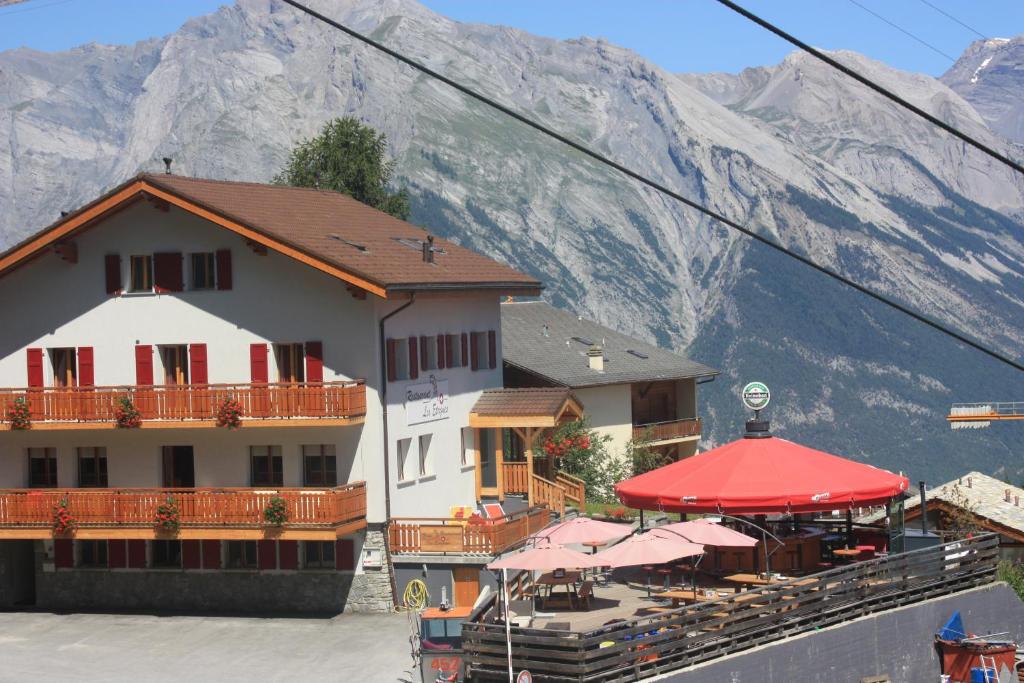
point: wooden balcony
(194, 405)
(214, 513)
(443, 535)
(667, 432)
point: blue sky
(680, 35)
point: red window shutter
(211, 554)
(136, 554)
(449, 350)
(345, 555)
(112, 266)
(63, 553)
(314, 361)
(266, 554)
(414, 356)
(167, 272)
(117, 556)
(197, 368)
(465, 349)
(474, 350)
(424, 354)
(35, 367)
(258, 363)
(144, 365)
(289, 551)
(441, 365)
(392, 347)
(190, 555)
(492, 349)
(223, 269)
(86, 369)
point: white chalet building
(355, 345)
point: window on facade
(291, 362)
(204, 267)
(242, 555)
(267, 466)
(318, 555)
(319, 465)
(65, 369)
(141, 274)
(92, 553)
(453, 344)
(42, 467)
(479, 340)
(167, 554)
(401, 359)
(426, 463)
(428, 353)
(175, 361)
(404, 445)
(92, 467)
(468, 445)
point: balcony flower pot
(229, 414)
(126, 415)
(276, 512)
(19, 414)
(63, 522)
(168, 517)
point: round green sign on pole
(756, 396)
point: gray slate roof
(561, 359)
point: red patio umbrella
(707, 533)
(545, 557)
(761, 475)
(647, 549)
(583, 530)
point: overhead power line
(710, 213)
(951, 17)
(902, 30)
(871, 84)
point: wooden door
(467, 585)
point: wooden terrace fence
(698, 633)
(194, 401)
(200, 507)
(444, 535)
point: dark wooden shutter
(112, 266)
(492, 349)
(424, 353)
(414, 356)
(314, 361)
(35, 367)
(197, 367)
(474, 350)
(465, 349)
(86, 369)
(211, 554)
(224, 269)
(190, 558)
(289, 551)
(345, 555)
(144, 365)
(266, 554)
(167, 272)
(449, 350)
(258, 363)
(136, 554)
(442, 357)
(117, 554)
(392, 347)
(63, 553)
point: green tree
(642, 458)
(350, 157)
(582, 452)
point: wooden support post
(476, 461)
(528, 439)
(499, 461)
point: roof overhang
(912, 513)
(494, 417)
(611, 381)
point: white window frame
(402, 451)
(426, 463)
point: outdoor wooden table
(687, 596)
(848, 554)
(750, 580)
(569, 580)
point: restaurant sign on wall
(427, 402)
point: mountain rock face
(792, 151)
(990, 75)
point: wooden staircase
(553, 494)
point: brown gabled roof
(534, 407)
(327, 230)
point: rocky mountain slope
(990, 75)
(790, 150)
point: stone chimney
(595, 354)
(1006, 495)
(969, 482)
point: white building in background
(310, 309)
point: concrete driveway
(186, 649)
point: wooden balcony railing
(517, 481)
(548, 494)
(194, 402)
(667, 431)
(516, 477)
(233, 508)
(575, 488)
(443, 535)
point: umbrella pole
(508, 626)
